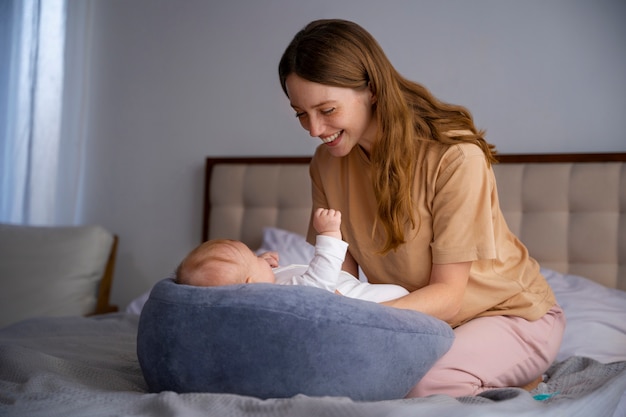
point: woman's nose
(316, 127)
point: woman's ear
(372, 93)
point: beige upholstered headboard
(569, 210)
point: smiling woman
(340, 117)
(408, 171)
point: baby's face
(258, 269)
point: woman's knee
(494, 352)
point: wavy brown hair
(341, 53)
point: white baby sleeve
(324, 269)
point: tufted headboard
(568, 209)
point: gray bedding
(73, 366)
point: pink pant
(495, 352)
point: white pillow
(292, 247)
(596, 318)
(50, 271)
(136, 305)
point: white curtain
(31, 92)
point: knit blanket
(73, 366)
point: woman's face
(340, 117)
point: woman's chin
(338, 152)
(338, 147)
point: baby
(228, 262)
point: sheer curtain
(33, 150)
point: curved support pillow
(276, 341)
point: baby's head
(223, 262)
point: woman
(413, 178)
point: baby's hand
(327, 222)
(271, 258)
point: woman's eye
(328, 111)
(300, 115)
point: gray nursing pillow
(275, 341)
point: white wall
(173, 81)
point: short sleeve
(462, 208)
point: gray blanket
(74, 366)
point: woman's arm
(443, 296)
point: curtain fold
(32, 95)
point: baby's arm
(330, 252)
(323, 270)
(327, 222)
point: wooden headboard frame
(568, 209)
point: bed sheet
(596, 318)
(86, 366)
(74, 366)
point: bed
(570, 210)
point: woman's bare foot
(532, 385)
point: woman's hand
(443, 296)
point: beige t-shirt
(459, 219)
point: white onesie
(325, 272)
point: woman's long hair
(340, 53)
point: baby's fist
(327, 222)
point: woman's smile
(340, 117)
(330, 140)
